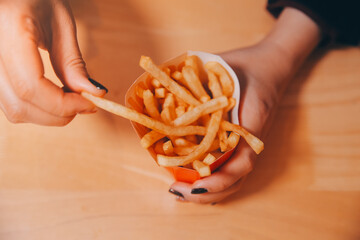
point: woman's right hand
(25, 94)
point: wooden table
(92, 180)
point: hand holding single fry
(26, 95)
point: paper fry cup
(144, 80)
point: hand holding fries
(258, 103)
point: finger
(24, 69)
(66, 57)
(239, 165)
(18, 111)
(185, 190)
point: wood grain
(92, 180)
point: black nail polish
(199, 190)
(97, 85)
(173, 191)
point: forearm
(296, 35)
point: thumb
(66, 57)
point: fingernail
(98, 85)
(173, 191)
(199, 190)
(214, 203)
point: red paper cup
(144, 80)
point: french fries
(256, 144)
(209, 159)
(205, 144)
(203, 109)
(226, 83)
(191, 61)
(194, 84)
(233, 140)
(142, 119)
(151, 105)
(186, 116)
(202, 168)
(168, 148)
(160, 92)
(150, 138)
(148, 65)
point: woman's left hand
(262, 75)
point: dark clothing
(338, 20)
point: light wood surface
(92, 180)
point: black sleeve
(338, 20)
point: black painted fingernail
(98, 85)
(199, 190)
(173, 191)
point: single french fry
(182, 142)
(226, 82)
(194, 84)
(170, 103)
(209, 159)
(168, 147)
(216, 91)
(233, 140)
(203, 109)
(205, 144)
(214, 85)
(183, 151)
(179, 78)
(160, 92)
(180, 110)
(186, 150)
(142, 119)
(168, 113)
(150, 138)
(256, 144)
(166, 116)
(223, 140)
(192, 62)
(177, 75)
(148, 65)
(155, 83)
(151, 105)
(201, 168)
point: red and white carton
(144, 80)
